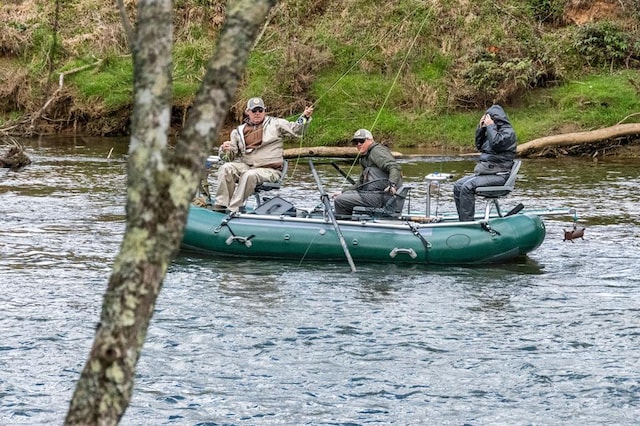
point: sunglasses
(258, 109)
(358, 141)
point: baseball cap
(362, 134)
(255, 103)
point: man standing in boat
(380, 178)
(496, 141)
(254, 154)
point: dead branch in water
(15, 156)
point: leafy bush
(499, 81)
(602, 44)
(497, 75)
(547, 11)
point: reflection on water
(552, 338)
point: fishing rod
(353, 65)
(395, 80)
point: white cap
(255, 103)
(362, 134)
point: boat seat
(392, 208)
(268, 186)
(493, 193)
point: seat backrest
(283, 174)
(511, 182)
(396, 203)
(266, 186)
(501, 191)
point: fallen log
(578, 138)
(326, 151)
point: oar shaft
(317, 178)
(343, 243)
(327, 205)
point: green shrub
(503, 77)
(547, 11)
(602, 44)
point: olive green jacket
(379, 163)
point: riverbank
(417, 76)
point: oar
(346, 176)
(327, 205)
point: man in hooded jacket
(496, 140)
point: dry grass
(15, 31)
(305, 47)
(15, 88)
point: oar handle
(317, 178)
(346, 176)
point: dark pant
(464, 193)
(345, 202)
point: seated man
(254, 154)
(496, 141)
(381, 176)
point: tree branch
(126, 24)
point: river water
(551, 339)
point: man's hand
(308, 111)
(486, 120)
(226, 153)
(391, 189)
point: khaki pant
(237, 181)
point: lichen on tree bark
(161, 182)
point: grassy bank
(416, 73)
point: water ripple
(552, 339)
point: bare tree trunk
(106, 385)
(126, 24)
(161, 183)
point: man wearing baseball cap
(381, 176)
(254, 154)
